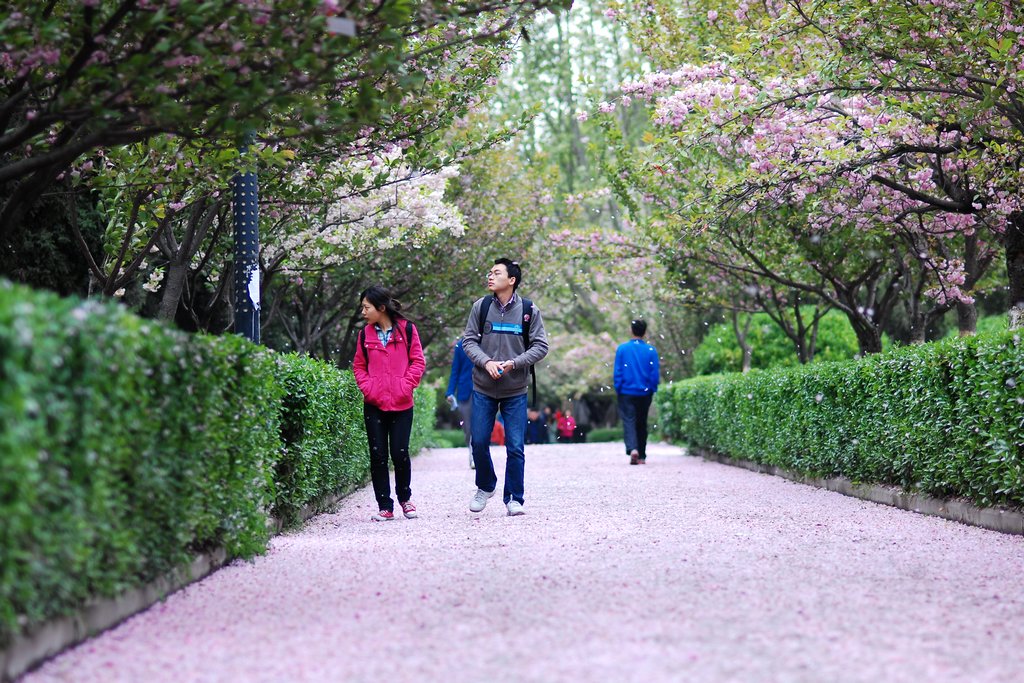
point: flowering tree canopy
(75, 77)
(864, 115)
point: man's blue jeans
(633, 411)
(513, 413)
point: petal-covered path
(679, 570)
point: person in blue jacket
(460, 390)
(636, 380)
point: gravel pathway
(680, 570)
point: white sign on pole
(345, 27)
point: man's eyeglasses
(500, 272)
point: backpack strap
(484, 308)
(527, 310)
(527, 317)
(362, 345)
(408, 340)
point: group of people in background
(554, 425)
(492, 363)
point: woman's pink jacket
(387, 376)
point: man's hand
(496, 369)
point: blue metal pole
(247, 251)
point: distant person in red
(498, 434)
(566, 427)
(388, 366)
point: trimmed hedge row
(322, 419)
(945, 418)
(127, 447)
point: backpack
(408, 343)
(527, 310)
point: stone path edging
(996, 519)
(28, 650)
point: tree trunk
(869, 337)
(917, 316)
(811, 347)
(741, 339)
(24, 194)
(966, 319)
(174, 284)
(1015, 268)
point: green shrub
(325, 449)
(941, 418)
(770, 347)
(605, 434)
(324, 441)
(422, 418)
(448, 438)
(127, 447)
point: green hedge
(324, 441)
(449, 438)
(605, 434)
(945, 418)
(127, 447)
(422, 422)
(324, 444)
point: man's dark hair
(639, 328)
(513, 270)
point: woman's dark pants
(389, 431)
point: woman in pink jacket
(388, 365)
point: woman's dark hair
(378, 296)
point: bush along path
(678, 570)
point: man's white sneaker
(479, 501)
(515, 508)
(472, 465)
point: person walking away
(460, 391)
(504, 338)
(388, 365)
(636, 376)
